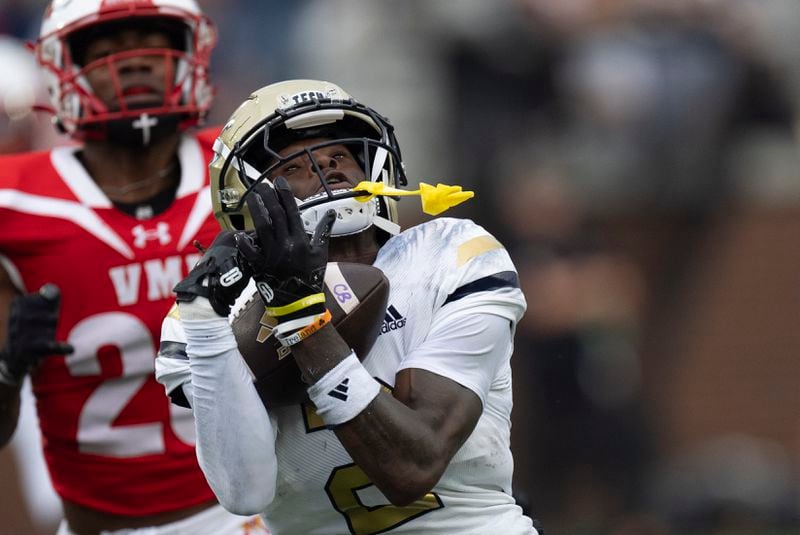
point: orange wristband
(298, 336)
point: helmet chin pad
(352, 216)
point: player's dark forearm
(320, 353)
(396, 448)
(402, 450)
(9, 412)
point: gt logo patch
(231, 277)
(265, 291)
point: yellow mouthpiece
(435, 199)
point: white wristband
(343, 392)
(293, 325)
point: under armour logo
(141, 235)
(340, 392)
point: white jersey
(439, 272)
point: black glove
(286, 265)
(219, 276)
(31, 333)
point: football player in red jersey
(36, 508)
(96, 235)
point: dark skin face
(138, 82)
(342, 171)
(142, 79)
(337, 163)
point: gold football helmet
(275, 116)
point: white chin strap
(352, 216)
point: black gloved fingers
(258, 212)
(220, 276)
(50, 293)
(51, 347)
(31, 333)
(232, 273)
(62, 348)
(39, 308)
(280, 222)
(46, 299)
(289, 204)
(194, 284)
(322, 232)
(264, 209)
(251, 253)
(224, 238)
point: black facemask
(142, 131)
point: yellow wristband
(300, 304)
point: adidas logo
(340, 392)
(393, 320)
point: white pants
(212, 521)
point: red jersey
(112, 440)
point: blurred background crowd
(640, 159)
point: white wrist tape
(344, 392)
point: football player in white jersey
(412, 437)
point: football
(355, 294)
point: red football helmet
(78, 110)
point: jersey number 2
(96, 433)
(342, 489)
(347, 480)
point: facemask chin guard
(352, 216)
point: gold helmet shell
(247, 150)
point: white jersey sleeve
(470, 350)
(464, 277)
(172, 362)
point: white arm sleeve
(235, 439)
